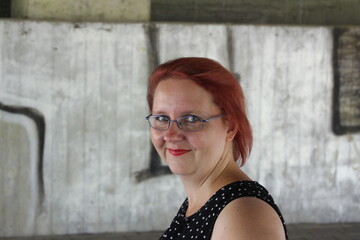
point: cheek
(157, 139)
(198, 141)
(211, 142)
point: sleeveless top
(200, 225)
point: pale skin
(209, 164)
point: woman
(200, 129)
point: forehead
(182, 95)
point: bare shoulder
(248, 218)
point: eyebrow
(182, 114)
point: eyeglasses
(190, 123)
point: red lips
(178, 152)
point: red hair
(222, 85)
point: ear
(230, 135)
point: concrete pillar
(83, 10)
(309, 12)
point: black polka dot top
(200, 225)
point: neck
(200, 189)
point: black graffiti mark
(230, 48)
(230, 52)
(152, 42)
(155, 168)
(337, 126)
(39, 121)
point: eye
(192, 119)
(162, 118)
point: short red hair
(222, 85)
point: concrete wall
(75, 150)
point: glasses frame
(178, 123)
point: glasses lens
(159, 122)
(190, 123)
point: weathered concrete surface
(82, 10)
(89, 83)
(309, 12)
(288, 79)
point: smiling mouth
(178, 152)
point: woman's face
(189, 153)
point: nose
(173, 134)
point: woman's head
(223, 88)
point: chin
(179, 172)
(179, 169)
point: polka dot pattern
(200, 225)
